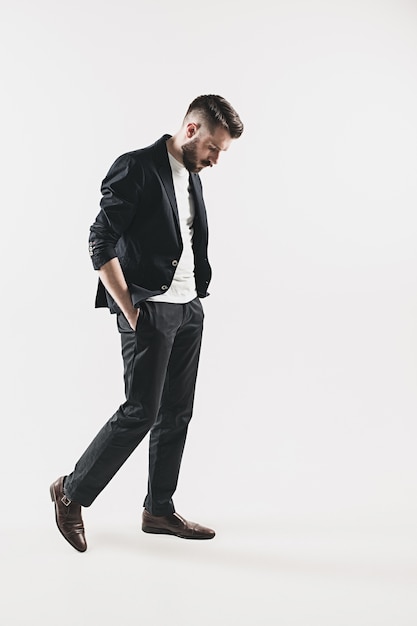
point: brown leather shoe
(176, 525)
(68, 516)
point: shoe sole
(161, 531)
(53, 498)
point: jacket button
(164, 287)
(174, 263)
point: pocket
(124, 326)
(138, 319)
(143, 315)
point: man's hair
(216, 111)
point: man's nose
(214, 158)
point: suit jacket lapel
(200, 218)
(164, 171)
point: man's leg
(168, 434)
(146, 354)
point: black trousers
(160, 369)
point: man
(149, 245)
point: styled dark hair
(216, 111)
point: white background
(302, 450)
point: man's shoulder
(147, 155)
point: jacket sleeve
(121, 191)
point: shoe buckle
(66, 501)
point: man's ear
(191, 129)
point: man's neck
(174, 148)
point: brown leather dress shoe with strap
(68, 516)
(176, 525)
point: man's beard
(190, 158)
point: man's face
(202, 149)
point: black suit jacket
(138, 222)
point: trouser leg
(168, 434)
(146, 354)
